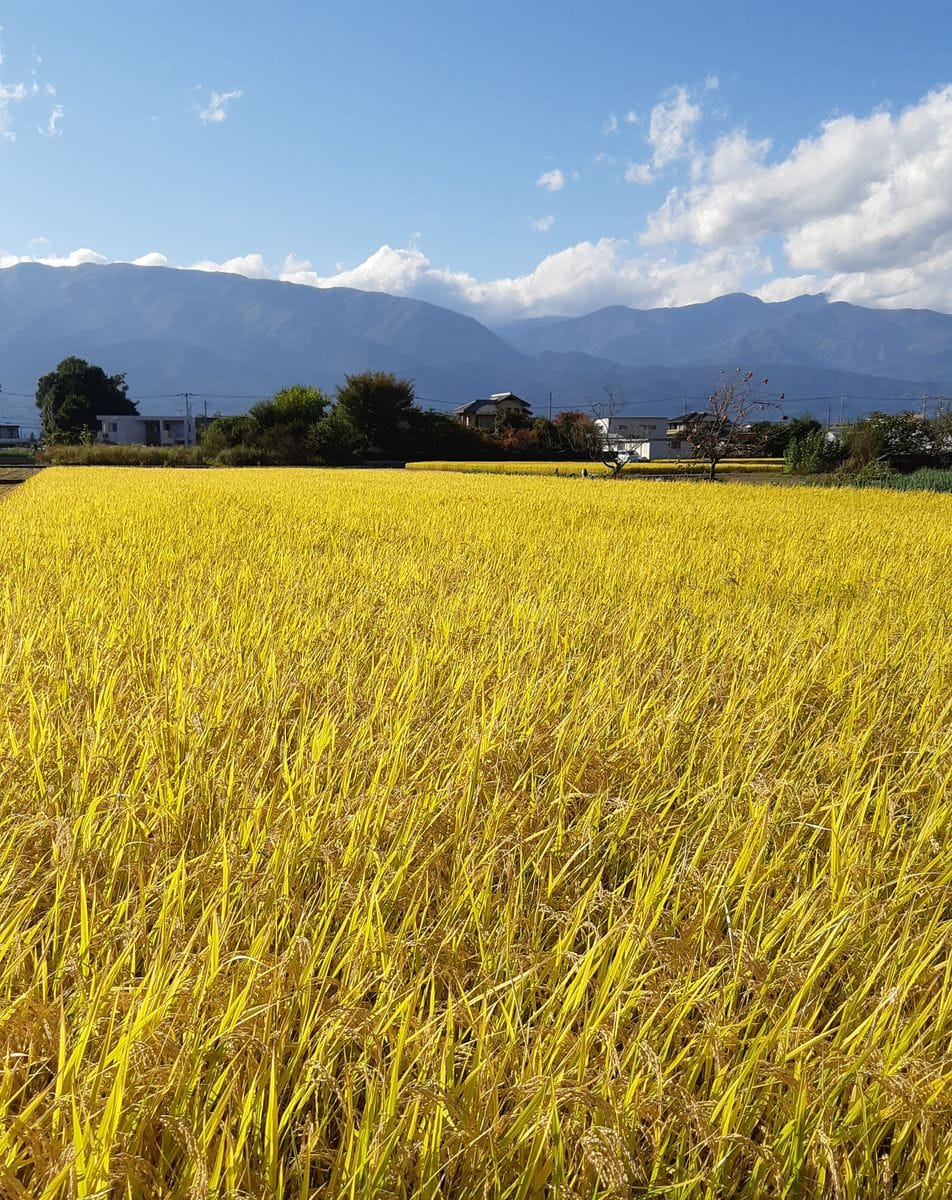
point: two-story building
(146, 431)
(489, 414)
(641, 438)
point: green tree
(437, 435)
(901, 440)
(940, 436)
(771, 438)
(335, 441)
(298, 404)
(811, 451)
(234, 442)
(381, 408)
(72, 397)
(286, 423)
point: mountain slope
(906, 344)
(229, 339)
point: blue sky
(504, 159)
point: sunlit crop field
(391, 834)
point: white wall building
(146, 431)
(10, 435)
(642, 438)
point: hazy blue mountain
(229, 340)
(739, 330)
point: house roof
(489, 408)
(634, 419)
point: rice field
(571, 470)
(403, 834)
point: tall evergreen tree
(74, 395)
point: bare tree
(721, 429)
(609, 449)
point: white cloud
(217, 109)
(670, 127)
(552, 181)
(611, 125)
(631, 117)
(860, 209)
(75, 258)
(639, 173)
(670, 134)
(52, 127)
(16, 93)
(152, 259)
(251, 265)
(864, 194)
(576, 279)
(788, 287)
(10, 93)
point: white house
(146, 431)
(641, 438)
(10, 435)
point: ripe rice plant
(401, 834)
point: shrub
(93, 454)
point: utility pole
(550, 408)
(188, 415)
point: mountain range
(229, 340)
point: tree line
(372, 415)
(375, 415)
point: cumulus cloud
(152, 259)
(863, 194)
(611, 125)
(576, 279)
(859, 209)
(75, 258)
(251, 265)
(552, 181)
(217, 109)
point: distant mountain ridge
(229, 339)
(808, 331)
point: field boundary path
(10, 476)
